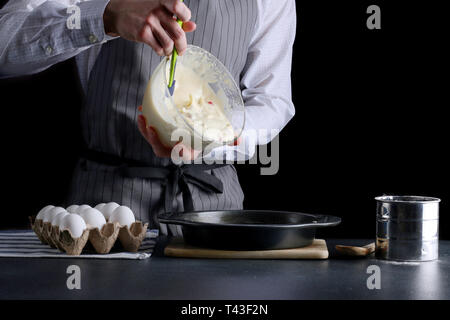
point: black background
(369, 120)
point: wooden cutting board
(177, 248)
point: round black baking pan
(249, 229)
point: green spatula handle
(174, 58)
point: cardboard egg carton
(101, 240)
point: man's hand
(160, 150)
(150, 22)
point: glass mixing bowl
(172, 125)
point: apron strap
(175, 178)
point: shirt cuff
(91, 30)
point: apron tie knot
(180, 178)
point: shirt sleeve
(35, 34)
(266, 79)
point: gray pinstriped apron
(109, 116)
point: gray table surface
(173, 278)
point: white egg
(108, 209)
(73, 208)
(74, 223)
(56, 221)
(123, 215)
(81, 208)
(50, 214)
(42, 212)
(93, 218)
(100, 206)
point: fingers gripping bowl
(206, 109)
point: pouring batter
(117, 45)
(202, 108)
(194, 100)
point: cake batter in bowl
(206, 109)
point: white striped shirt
(33, 36)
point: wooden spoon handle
(356, 251)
